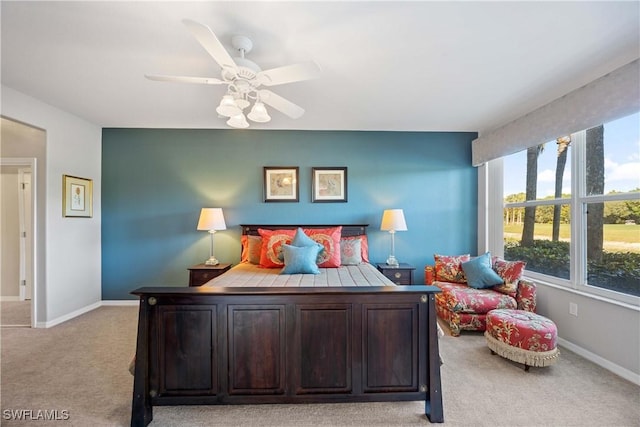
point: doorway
(19, 223)
(17, 255)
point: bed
(246, 274)
(345, 335)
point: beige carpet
(15, 313)
(80, 366)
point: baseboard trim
(79, 312)
(121, 302)
(69, 316)
(601, 361)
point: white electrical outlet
(573, 309)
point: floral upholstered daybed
(472, 287)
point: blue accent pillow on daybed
(480, 273)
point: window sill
(633, 303)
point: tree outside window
(596, 170)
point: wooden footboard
(286, 345)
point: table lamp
(392, 221)
(212, 220)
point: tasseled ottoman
(523, 337)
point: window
(572, 209)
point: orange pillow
(330, 239)
(271, 250)
(244, 244)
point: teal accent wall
(155, 181)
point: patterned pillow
(449, 268)
(510, 272)
(364, 245)
(300, 259)
(351, 251)
(251, 247)
(271, 249)
(330, 239)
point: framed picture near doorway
(77, 197)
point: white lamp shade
(259, 113)
(393, 220)
(211, 219)
(228, 107)
(238, 121)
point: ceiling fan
(244, 78)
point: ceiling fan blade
(289, 73)
(279, 103)
(211, 44)
(185, 79)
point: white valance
(608, 98)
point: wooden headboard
(347, 229)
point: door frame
(31, 163)
(26, 230)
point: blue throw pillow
(479, 272)
(301, 239)
(300, 260)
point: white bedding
(246, 274)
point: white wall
(605, 332)
(70, 270)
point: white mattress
(247, 274)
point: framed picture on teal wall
(281, 184)
(329, 184)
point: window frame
(493, 173)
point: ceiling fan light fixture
(242, 103)
(228, 107)
(238, 121)
(259, 113)
(243, 79)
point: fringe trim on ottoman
(518, 355)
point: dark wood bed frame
(250, 345)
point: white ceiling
(391, 66)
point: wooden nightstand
(400, 275)
(200, 274)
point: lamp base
(392, 261)
(212, 261)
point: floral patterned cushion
(510, 272)
(526, 296)
(522, 329)
(460, 298)
(449, 268)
